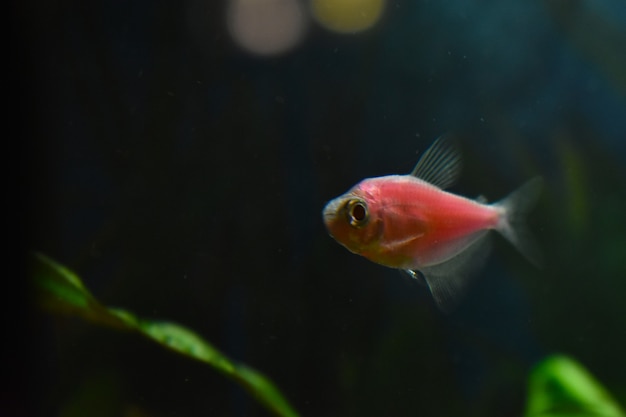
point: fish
(441, 239)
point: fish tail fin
(512, 223)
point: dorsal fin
(440, 165)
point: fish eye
(357, 212)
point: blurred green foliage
(560, 387)
(60, 290)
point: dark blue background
(183, 178)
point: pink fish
(410, 223)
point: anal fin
(448, 281)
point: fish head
(353, 220)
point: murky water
(185, 152)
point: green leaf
(60, 290)
(560, 387)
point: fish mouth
(331, 210)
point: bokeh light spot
(266, 27)
(347, 16)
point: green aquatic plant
(558, 386)
(59, 290)
(561, 387)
